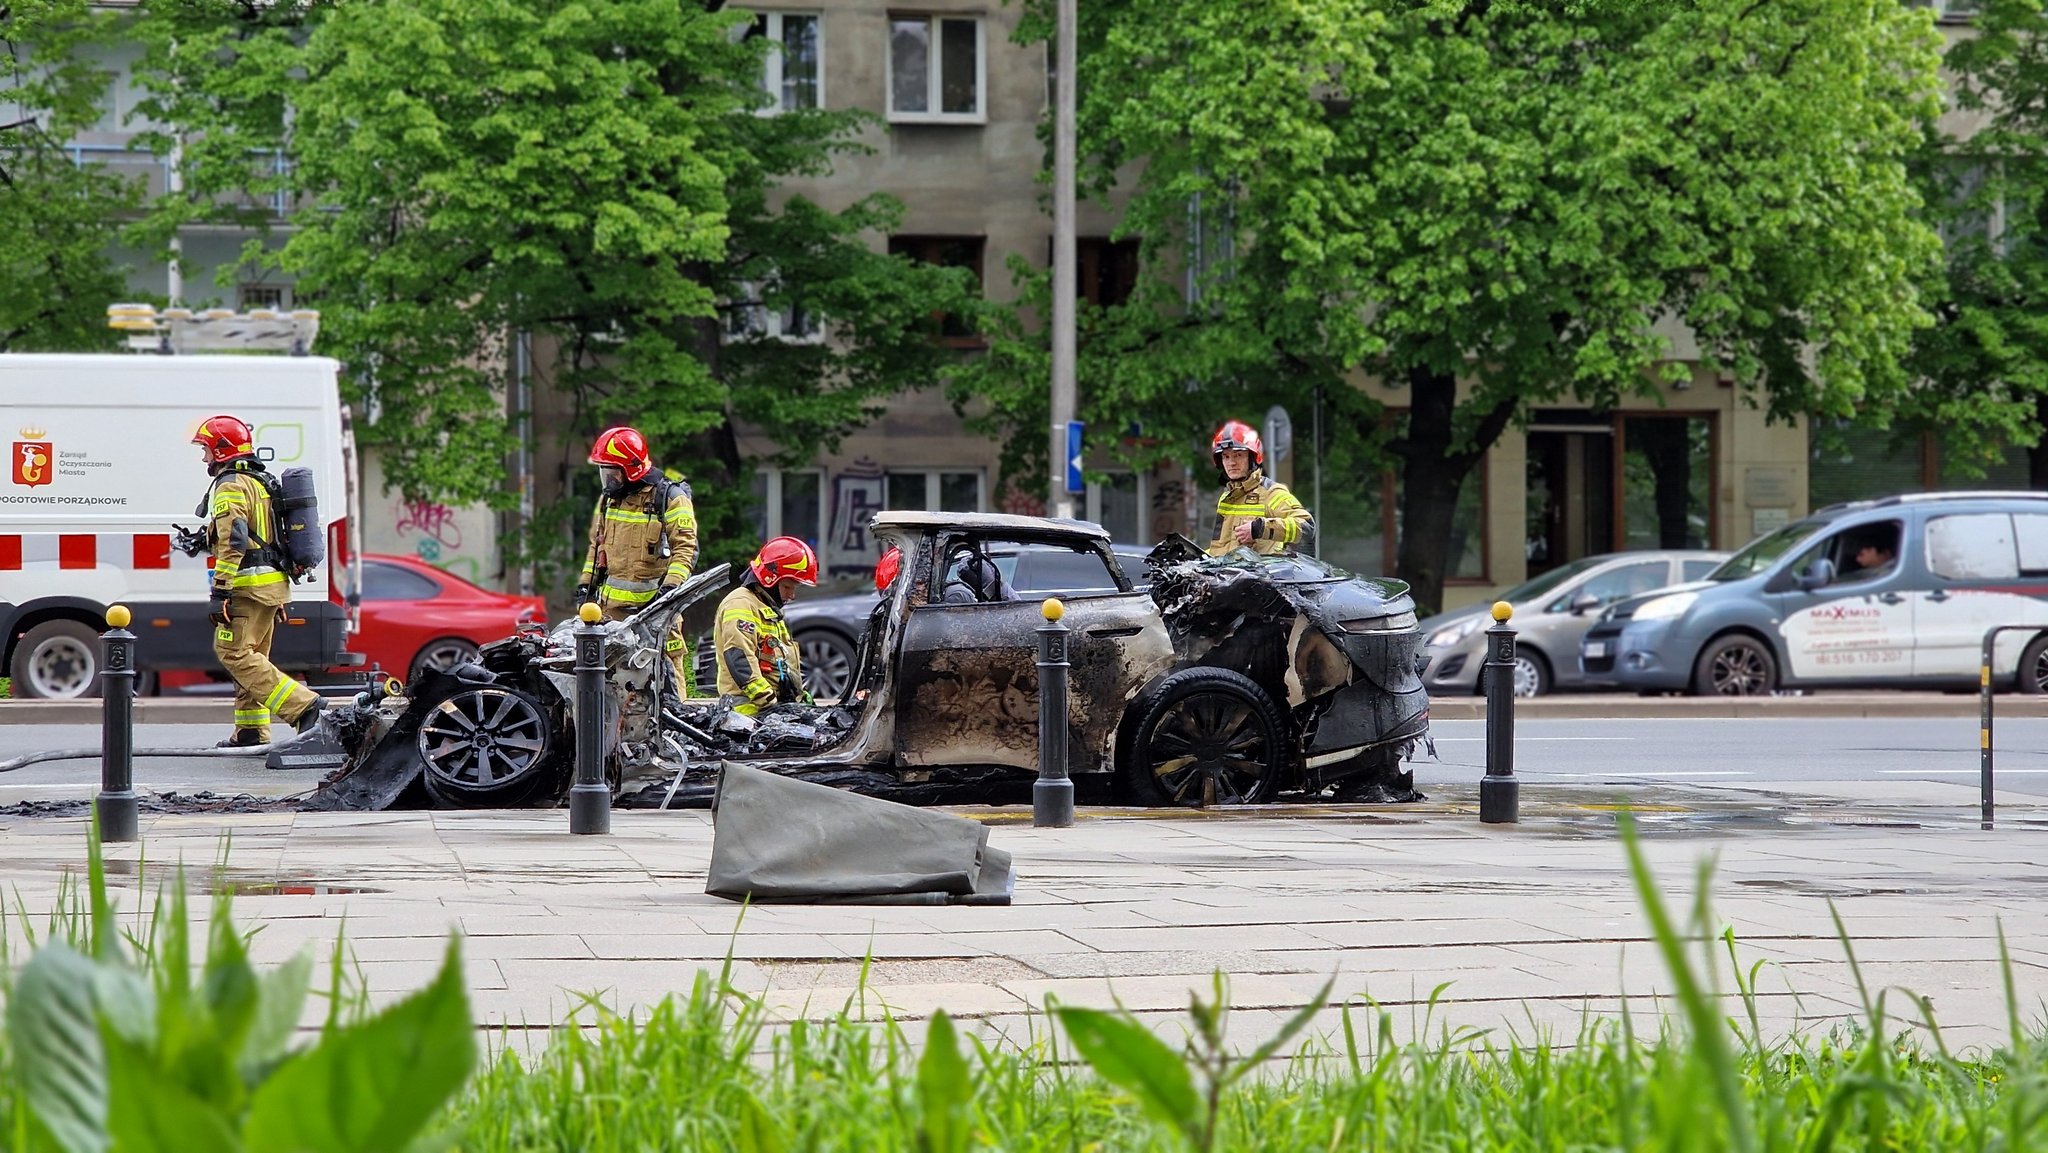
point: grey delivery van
(1870, 594)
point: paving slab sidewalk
(1526, 928)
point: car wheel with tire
(57, 660)
(486, 747)
(1735, 666)
(2033, 674)
(827, 662)
(1205, 737)
(441, 656)
(1532, 673)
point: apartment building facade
(960, 105)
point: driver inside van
(1873, 556)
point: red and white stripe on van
(21, 552)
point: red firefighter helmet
(224, 438)
(785, 557)
(623, 448)
(887, 569)
(1237, 434)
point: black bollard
(1052, 795)
(590, 798)
(116, 804)
(1500, 795)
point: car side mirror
(1819, 574)
(1584, 603)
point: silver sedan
(1552, 612)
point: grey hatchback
(1552, 612)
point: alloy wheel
(483, 739)
(1210, 749)
(1740, 671)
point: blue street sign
(1074, 482)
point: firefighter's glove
(217, 606)
(584, 594)
(190, 541)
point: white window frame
(1094, 505)
(761, 324)
(932, 486)
(771, 65)
(773, 498)
(932, 66)
(282, 304)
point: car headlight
(1453, 633)
(1390, 624)
(1664, 608)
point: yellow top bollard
(118, 617)
(589, 613)
(1053, 609)
(1502, 610)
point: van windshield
(1764, 551)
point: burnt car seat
(976, 580)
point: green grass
(711, 1069)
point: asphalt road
(1883, 754)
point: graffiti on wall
(433, 532)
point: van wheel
(57, 660)
(1736, 666)
(2033, 677)
(1205, 737)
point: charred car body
(1231, 680)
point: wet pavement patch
(160, 803)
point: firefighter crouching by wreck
(1254, 511)
(643, 538)
(249, 591)
(758, 664)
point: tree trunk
(1431, 477)
(2037, 456)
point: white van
(100, 469)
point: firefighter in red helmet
(249, 588)
(758, 664)
(643, 537)
(1255, 511)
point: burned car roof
(989, 522)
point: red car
(416, 616)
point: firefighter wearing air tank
(643, 537)
(757, 661)
(1255, 511)
(251, 587)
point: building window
(794, 70)
(1105, 270)
(790, 502)
(1117, 503)
(934, 490)
(936, 69)
(948, 252)
(254, 296)
(751, 318)
(1949, 11)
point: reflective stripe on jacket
(1279, 523)
(240, 529)
(640, 545)
(757, 659)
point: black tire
(1735, 666)
(1205, 736)
(827, 662)
(55, 661)
(1532, 673)
(441, 655)
(2033, 671)
(486, 746)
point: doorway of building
(1601, 484)
(1570, 509)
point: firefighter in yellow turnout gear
(249, 590)
(758, 663)
(643, 539)
(1254, 511)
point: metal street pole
(1063, 275)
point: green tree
(1487, 206)
(1984, 365)
(597, 175)
(60, 217)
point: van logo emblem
(33, 460)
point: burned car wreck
(1231, 680)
